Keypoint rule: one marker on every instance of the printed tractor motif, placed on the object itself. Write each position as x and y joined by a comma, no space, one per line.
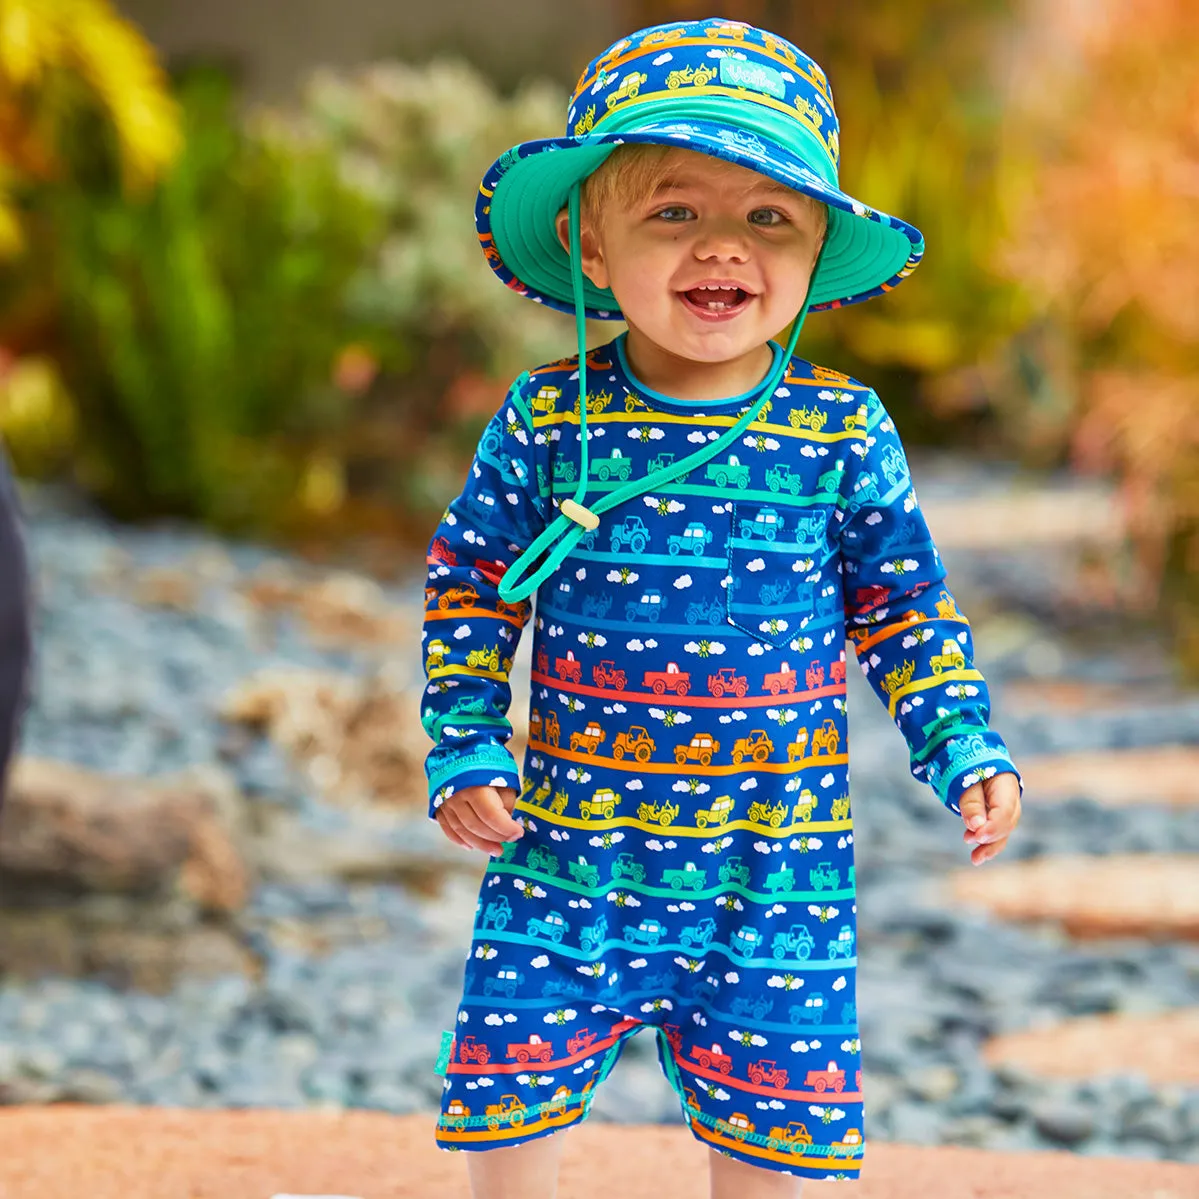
464,596
717,812
589,739
627,866
552,925
635,741
505,981
745,940
796,942
583,872
814,675
648,607
484,659
706,611
436,651
497,914
757,746
811,1011
628,89
797,748
824,874
725,679
804,806
713,1058
790,1137
509,1106
655,813
782,879
765,523
648,932
616,464
602,803
700,749
688,877
775,591
757,1006
821,1080
631,532
724,473
692,540
827,736
763,1071
901,676
596,605
592,937
734,868
456,1114
780,477
472,1051
783,679
605,674
670,679
764,812
542,858
808,418
569,667
580,1041
843,945
532,1050
950,657
697,77
699,935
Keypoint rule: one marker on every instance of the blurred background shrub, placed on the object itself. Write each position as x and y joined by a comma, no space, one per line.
279,321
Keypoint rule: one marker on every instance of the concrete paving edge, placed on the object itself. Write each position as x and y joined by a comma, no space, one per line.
120,1152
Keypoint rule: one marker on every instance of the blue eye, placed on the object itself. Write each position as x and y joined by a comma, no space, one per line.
781,218
673,208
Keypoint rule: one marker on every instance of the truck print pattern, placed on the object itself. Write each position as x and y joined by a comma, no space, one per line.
687,865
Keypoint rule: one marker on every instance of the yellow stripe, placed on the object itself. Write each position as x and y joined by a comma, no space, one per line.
685,830
667,418
442,671
934,681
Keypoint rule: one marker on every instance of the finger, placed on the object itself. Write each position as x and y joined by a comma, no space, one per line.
443,819
479,834
489,809
507,797
973,806
984,853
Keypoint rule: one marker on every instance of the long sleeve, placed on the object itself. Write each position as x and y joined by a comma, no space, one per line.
470,635
912,642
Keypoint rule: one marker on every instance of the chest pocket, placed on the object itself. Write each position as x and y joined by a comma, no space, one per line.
773,549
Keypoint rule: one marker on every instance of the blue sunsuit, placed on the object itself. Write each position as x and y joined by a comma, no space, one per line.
688,861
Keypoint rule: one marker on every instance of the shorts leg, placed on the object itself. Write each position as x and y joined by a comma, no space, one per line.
511,1080
732,1100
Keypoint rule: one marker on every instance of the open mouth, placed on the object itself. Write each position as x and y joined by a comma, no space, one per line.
716,302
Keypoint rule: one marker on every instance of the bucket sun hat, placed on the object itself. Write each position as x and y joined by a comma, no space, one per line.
719,87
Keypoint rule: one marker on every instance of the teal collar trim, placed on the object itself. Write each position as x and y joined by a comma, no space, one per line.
776,353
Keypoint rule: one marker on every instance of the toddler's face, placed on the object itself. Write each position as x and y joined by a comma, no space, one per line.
711,222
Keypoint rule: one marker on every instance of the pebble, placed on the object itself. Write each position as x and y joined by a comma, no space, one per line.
121,688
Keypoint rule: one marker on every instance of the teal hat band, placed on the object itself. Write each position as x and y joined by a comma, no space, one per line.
562,534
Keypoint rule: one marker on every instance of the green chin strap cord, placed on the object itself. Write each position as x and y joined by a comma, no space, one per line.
574,519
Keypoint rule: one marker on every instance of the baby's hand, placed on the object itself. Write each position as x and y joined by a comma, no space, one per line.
480,818
991,810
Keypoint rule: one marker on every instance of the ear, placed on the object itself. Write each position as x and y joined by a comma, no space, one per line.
591,252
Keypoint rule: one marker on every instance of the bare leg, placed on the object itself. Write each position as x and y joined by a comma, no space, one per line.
731,1178
525,1171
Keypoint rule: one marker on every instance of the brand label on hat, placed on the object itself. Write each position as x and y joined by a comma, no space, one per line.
754,76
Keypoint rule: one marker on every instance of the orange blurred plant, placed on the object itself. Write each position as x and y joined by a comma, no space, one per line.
1102,142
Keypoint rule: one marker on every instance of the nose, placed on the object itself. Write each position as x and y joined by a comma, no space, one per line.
721,237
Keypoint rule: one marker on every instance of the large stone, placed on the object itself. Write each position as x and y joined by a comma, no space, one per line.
360,740
1132,895
1167,774
70,830
1162,1047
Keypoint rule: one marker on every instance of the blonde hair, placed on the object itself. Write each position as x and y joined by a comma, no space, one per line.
630,175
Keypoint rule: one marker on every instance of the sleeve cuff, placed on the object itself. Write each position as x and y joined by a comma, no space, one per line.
494,769
965,760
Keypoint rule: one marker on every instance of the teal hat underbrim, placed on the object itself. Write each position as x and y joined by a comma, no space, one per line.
867,252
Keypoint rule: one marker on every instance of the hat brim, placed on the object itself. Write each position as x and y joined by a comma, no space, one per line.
867,252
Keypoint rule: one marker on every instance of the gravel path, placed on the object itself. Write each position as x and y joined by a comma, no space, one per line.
127,689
